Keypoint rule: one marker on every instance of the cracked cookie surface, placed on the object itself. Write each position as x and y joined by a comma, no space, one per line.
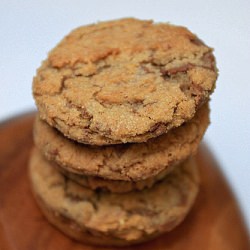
124,81
114,219
98,183
129,162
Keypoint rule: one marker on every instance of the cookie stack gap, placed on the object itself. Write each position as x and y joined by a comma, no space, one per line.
122,108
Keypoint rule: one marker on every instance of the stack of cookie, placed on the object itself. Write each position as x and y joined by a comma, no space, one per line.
123,106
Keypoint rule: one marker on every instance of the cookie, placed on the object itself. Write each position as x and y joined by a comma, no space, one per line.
105,218
97,183
128,162
124,81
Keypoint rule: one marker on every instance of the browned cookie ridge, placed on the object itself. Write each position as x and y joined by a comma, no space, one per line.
98,183
114,219
129,162
124,81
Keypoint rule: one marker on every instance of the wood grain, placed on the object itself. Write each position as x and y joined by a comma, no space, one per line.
214,223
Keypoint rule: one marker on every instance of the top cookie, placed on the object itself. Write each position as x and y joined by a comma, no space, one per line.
124,81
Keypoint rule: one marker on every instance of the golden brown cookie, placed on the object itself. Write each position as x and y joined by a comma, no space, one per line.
114,219
97,183
129,162
124,81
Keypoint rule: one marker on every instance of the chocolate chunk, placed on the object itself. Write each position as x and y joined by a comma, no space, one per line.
209,61
197,41
84,113
175,70
158,128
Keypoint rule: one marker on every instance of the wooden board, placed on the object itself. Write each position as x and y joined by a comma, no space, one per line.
214,222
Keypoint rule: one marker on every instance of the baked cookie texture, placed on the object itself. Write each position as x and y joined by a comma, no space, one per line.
128,162
98,183
115,219
124,81
114,186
